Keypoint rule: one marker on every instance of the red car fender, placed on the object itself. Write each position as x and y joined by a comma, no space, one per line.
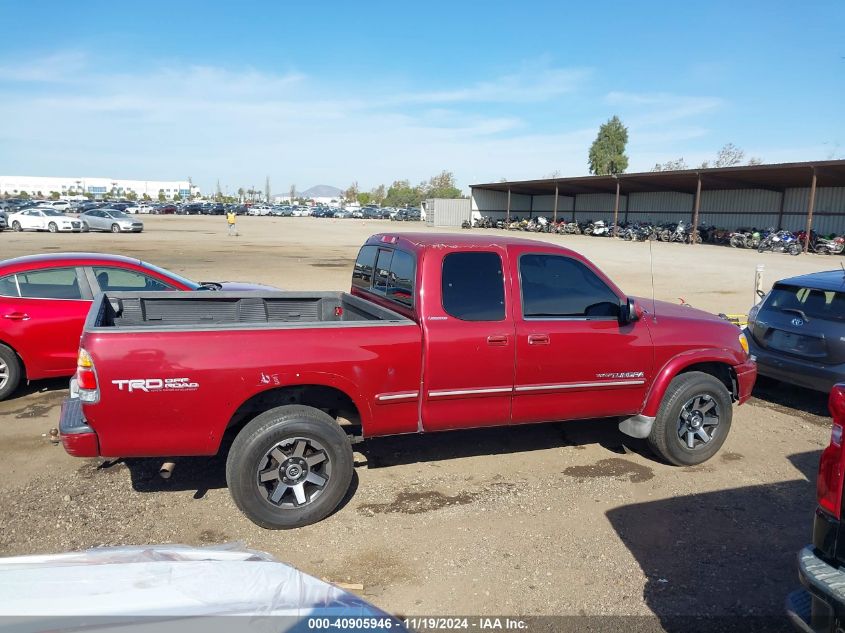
676,365
320,379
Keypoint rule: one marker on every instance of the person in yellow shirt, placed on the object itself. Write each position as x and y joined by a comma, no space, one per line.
230,220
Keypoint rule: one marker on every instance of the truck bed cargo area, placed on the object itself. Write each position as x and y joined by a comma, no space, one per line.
196,309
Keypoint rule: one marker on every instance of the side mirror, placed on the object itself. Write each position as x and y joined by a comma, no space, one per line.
761,294
630,311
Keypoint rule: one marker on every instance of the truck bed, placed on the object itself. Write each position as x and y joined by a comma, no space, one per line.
214,310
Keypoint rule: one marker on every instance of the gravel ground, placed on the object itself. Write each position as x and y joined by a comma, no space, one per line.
557,519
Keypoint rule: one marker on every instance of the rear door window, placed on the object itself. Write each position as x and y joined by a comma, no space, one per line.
473,287
53,283
8,286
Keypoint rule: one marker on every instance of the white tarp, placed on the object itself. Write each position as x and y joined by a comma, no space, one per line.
105,585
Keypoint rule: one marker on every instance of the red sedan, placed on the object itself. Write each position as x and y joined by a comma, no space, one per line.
44,300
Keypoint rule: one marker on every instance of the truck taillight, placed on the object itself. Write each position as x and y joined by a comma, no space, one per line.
86,377
829,483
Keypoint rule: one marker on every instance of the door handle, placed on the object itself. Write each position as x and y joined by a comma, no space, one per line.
499,340
538,339
16,316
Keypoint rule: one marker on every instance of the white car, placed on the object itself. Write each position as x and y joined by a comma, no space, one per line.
58,205
140,208
260,209
44,219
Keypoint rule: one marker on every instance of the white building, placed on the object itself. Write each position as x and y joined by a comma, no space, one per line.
98,187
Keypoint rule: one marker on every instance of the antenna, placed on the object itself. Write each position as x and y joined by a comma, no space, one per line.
651,265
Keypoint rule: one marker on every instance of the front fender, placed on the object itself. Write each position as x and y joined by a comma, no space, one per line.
676,365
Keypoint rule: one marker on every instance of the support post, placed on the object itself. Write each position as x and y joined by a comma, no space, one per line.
509,206
554,216
780,211
811,203
695,208
616,210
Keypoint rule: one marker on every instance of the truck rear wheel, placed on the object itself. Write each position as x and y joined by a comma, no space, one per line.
693,421
289,467
10,372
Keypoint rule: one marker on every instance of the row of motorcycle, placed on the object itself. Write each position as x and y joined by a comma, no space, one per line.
771,239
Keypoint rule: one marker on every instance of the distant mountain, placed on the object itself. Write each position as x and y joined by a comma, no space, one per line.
321,191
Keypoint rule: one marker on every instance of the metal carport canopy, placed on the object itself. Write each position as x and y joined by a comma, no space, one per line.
829,173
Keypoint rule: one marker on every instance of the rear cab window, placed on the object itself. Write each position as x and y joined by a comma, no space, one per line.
387,272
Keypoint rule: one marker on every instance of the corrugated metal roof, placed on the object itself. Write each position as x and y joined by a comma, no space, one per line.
830,173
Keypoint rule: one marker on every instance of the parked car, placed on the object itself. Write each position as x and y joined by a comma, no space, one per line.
165,209
342,213
44,300
59,205
3,224
439,332
820,604
260,209
797,332
110,220
44,219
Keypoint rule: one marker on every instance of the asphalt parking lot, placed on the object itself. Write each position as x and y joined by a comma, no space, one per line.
559,519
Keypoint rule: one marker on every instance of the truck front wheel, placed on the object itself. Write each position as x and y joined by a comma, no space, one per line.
693,421
289,467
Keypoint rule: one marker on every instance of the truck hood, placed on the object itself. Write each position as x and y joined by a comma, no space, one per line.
675,310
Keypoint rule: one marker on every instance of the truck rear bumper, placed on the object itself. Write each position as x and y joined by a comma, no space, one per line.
817,607
746,376
78,439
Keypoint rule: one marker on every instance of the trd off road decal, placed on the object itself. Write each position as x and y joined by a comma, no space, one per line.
148,385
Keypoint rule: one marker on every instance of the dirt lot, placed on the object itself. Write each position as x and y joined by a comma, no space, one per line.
554,519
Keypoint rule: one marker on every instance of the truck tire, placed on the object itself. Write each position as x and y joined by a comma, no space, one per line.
11,371
289,467
693,421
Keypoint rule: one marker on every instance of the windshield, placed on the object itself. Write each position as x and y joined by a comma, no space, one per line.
810,303
171,275
118,214
53,212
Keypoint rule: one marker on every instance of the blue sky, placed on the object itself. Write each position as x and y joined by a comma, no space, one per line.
335,92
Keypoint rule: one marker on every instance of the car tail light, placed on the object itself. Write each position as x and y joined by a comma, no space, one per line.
829,483
86,377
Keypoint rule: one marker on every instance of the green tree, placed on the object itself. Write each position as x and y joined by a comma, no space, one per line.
441,186
607,153
401,194
146,197
23,195
161,196
351,193
177,197
240,194
363,198
54,195
131,196
378,194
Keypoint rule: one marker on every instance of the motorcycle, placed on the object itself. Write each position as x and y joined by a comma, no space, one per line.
780,242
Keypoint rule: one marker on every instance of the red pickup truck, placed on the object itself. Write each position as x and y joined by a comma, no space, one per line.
439,332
